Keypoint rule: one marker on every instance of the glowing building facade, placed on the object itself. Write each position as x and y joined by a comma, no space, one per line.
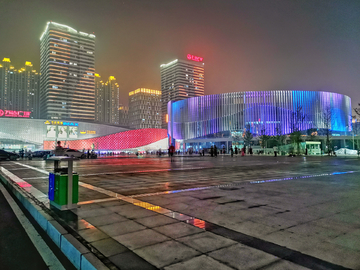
264,111
145,108
181,79
19,88
23,133
106,100
67,66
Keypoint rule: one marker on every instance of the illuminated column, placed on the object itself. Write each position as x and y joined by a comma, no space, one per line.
67,67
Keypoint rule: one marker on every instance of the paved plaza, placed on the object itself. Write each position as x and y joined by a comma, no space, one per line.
252,212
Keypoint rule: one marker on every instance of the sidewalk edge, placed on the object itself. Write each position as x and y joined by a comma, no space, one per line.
76,252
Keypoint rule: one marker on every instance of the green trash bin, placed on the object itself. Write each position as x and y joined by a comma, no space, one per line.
61,189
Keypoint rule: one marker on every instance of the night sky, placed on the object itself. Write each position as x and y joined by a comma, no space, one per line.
251,45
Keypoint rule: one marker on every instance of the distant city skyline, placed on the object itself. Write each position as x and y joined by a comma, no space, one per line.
247,45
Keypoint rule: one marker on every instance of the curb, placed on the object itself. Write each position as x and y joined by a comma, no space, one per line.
81,257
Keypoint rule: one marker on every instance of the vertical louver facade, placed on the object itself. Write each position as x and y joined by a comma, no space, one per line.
262,111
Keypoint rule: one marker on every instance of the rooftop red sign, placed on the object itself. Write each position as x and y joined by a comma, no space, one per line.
9,113
194,58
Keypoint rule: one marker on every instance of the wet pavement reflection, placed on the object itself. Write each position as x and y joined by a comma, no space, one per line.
167,188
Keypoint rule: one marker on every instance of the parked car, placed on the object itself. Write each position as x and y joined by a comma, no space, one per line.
41,153
74,153
4,155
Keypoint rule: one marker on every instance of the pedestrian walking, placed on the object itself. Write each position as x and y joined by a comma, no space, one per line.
236,151
212,151
21,152
275,151
215,151
243,151
171,152
59,150
250,150
232,152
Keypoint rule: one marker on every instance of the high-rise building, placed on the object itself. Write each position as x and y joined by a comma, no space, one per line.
123,116
99,98
145,108
19,88
67,67
181,79
106,100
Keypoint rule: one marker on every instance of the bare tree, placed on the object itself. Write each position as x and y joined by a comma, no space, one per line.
279,137
357,110
356,132
247,135
264,138
327,117
297,119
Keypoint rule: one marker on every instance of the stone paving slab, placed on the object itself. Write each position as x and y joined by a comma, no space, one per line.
166,253
237,256
200,262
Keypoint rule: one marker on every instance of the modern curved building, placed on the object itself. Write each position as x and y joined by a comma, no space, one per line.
18,132
218,115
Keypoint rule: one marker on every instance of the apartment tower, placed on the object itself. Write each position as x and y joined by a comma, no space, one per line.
106,100
123,115
181,79
67,67
145,108
19,88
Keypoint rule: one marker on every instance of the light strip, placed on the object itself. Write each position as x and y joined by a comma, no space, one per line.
172,62
57,24
47,26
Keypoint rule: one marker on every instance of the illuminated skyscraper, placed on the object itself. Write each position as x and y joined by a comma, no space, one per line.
123,116
145,108
106,100
99,98
67,66
19,88
181,79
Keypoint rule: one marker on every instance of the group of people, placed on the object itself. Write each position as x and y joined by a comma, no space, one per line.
236,151
25,153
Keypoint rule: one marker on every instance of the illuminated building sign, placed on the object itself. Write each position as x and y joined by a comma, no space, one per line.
17,114
61,123
194,58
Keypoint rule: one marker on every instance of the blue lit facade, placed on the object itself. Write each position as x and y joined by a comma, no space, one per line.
269,111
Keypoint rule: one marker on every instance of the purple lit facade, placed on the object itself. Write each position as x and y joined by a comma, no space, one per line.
201,117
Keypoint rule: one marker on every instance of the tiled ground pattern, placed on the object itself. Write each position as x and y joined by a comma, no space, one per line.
319,216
